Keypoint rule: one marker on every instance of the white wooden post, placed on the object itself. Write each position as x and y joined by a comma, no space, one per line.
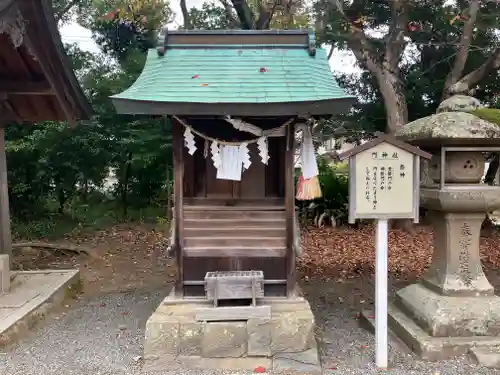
381,336
384,177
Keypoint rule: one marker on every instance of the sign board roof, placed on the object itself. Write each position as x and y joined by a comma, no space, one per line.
381,137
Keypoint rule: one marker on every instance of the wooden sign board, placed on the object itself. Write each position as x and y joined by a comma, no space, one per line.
384,178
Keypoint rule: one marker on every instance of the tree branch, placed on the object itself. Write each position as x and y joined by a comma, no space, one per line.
60,13
330,54
395,43
185,16
463,52
359,44
472,79
245,14
233,22
265,16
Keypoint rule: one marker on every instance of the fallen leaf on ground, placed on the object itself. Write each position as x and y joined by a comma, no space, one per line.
349,252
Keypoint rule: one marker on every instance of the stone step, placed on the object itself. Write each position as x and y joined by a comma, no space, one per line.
486,356
235,251
234,222
234,231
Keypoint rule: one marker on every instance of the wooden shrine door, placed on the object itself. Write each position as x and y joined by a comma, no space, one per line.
257,182
252,184
218,188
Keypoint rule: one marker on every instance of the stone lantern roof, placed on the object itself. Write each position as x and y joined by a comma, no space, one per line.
453,124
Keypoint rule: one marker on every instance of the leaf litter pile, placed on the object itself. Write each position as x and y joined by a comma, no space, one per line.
333,253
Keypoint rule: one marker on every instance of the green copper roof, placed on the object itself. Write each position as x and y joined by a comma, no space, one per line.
215,75
207,72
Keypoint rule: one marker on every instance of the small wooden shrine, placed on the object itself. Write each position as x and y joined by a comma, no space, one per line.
235,99
37,82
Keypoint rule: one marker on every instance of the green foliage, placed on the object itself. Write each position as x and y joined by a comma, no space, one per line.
433,34
333,205
211,17
59,176
488,114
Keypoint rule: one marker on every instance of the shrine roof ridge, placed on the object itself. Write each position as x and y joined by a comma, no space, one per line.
381,137
288,39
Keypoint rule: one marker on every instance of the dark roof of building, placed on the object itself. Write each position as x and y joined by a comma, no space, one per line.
36,78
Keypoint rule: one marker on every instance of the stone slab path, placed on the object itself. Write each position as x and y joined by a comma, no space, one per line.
32,294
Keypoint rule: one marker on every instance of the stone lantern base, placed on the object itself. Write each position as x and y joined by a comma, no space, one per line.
463,319
453,310
437,327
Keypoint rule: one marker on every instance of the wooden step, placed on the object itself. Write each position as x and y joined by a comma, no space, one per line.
267,242
234,222
235,251
246,202
234,208
233,214
234,231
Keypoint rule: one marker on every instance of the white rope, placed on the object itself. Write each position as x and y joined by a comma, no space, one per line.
265,133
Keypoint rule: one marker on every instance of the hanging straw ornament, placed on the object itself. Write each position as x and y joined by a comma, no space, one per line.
308,187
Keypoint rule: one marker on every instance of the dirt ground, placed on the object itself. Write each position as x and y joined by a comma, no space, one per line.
337,263
122,258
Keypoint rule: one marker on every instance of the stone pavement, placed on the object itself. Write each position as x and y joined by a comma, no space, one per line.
32,294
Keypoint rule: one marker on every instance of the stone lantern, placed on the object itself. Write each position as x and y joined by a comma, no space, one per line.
453,310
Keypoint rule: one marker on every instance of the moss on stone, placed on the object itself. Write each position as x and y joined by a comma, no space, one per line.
488,114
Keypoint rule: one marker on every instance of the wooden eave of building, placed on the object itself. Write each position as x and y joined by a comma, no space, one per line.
36,79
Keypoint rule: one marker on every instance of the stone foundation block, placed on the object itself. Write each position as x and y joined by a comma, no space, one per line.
4,273
190,337
224,339
175,339
487,357
292,331
259,337
444,316
162,338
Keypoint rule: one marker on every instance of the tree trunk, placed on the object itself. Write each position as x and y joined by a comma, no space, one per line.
125,183
61,198
394,100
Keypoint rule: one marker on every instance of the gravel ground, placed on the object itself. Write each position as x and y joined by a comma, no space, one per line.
103,336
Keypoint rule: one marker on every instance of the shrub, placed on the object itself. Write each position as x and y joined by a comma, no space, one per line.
332,207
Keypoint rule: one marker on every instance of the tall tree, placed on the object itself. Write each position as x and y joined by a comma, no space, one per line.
379,32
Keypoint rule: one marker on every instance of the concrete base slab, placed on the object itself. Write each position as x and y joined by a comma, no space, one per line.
424,345
174,337
31,296
487,357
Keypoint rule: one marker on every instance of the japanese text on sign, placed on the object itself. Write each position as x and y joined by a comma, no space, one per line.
386,173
